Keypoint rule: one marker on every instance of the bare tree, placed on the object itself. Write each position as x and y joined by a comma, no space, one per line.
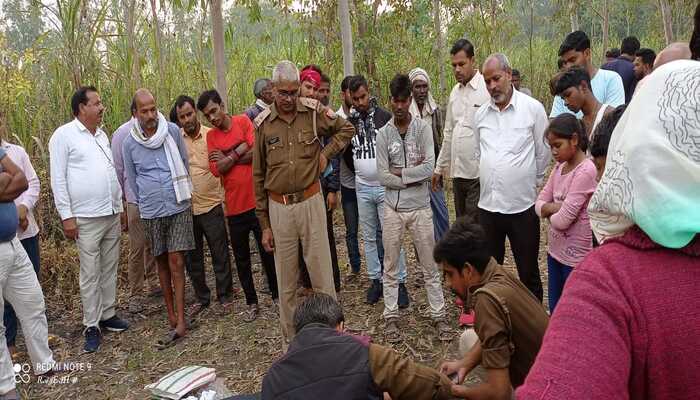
573,15
666,18
158,47
130,19
606,26
346,37
217,22
439,45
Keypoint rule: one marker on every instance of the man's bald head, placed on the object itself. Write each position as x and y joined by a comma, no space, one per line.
144,108
497,60
141,96
498,78
673,52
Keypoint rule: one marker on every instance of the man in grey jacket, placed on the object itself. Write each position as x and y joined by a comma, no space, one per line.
405,161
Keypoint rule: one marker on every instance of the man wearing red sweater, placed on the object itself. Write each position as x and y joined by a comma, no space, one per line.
229,143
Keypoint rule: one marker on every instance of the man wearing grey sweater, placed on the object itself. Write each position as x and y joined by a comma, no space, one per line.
405,161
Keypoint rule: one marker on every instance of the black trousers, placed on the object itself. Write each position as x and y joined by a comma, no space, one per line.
211,225
303,272
239,227
523,232
466,197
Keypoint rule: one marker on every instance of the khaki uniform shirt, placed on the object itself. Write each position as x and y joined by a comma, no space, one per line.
400,375
510,332
207,191
286,154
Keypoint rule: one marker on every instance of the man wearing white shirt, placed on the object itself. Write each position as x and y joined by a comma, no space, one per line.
513,157
89,201
458,151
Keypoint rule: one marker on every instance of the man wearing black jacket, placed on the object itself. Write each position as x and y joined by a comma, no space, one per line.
361,158
325,363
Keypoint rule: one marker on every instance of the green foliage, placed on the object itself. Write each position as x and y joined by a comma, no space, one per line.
43,60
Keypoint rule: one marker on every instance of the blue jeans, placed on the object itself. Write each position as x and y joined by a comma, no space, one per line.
558,274
31,246
441,218
348,198
370,204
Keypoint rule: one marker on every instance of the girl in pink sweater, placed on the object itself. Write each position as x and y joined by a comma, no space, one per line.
628,325
564,200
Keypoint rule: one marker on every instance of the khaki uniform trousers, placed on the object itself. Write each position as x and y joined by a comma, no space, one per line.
291,223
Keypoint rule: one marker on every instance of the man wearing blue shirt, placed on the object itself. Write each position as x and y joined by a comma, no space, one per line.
624,65
606,85
155,163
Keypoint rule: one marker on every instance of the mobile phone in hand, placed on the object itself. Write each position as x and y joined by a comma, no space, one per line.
453,377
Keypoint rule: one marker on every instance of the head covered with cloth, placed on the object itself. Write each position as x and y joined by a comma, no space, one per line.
652,173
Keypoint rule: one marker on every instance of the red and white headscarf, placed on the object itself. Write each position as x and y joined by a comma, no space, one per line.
311,76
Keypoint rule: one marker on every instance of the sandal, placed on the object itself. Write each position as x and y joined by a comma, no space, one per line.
444,331
196,308
169,340
251,314
392,332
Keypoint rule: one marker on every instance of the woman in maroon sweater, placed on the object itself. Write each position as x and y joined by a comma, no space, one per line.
628,325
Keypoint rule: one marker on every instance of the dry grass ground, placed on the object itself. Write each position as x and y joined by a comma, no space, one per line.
240,352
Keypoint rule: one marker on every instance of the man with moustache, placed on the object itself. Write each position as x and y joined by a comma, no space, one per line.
288,160
89,201
156,166
510,321
424,106
316,85
513,158
207,212
459,147
348,196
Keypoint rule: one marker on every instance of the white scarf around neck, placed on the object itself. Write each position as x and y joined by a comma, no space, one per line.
181,178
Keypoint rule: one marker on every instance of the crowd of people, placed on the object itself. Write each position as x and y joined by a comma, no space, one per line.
625,179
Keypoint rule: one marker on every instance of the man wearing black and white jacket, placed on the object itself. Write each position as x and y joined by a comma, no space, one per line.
405,161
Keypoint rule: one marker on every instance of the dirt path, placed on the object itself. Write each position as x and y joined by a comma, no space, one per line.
240,352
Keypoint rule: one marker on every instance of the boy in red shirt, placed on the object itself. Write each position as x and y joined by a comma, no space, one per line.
229,143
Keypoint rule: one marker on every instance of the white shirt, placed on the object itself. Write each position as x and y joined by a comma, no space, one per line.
29,197
83,177
513,154
459,147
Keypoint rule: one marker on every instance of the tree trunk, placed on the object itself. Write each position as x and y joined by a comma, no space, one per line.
217,22
573,15
130,11
606,22
365,31
346,37
439,46
666,17
158,48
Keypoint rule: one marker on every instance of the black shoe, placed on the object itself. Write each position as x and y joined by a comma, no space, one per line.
114,324
92,339
374,293
404,300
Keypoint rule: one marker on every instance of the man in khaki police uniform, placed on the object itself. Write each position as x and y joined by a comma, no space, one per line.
287,162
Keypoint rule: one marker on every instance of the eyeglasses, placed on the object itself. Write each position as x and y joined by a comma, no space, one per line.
289,95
